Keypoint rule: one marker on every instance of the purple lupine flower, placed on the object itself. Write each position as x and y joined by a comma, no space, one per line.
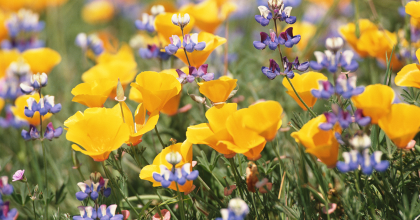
32,107
5,187
86,213
326,60
6,213
351,161
36,82
237,210
11,121
191,43
147,23
377,163
95,44
187,173
360,119
48,105
265,40
344,119
32,134
183,78
110,213
347,87
202,72
150,52
325,91
84,192
285,15
272,71
300,66
103,186
51,133
265,17
175,44
288,39
331,121
288,70
165,177
347,61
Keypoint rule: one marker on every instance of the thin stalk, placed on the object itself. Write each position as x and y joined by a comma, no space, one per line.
294,90
211,192
232,167
185,51
112,185
46,195
122,112
119,189
33,203
160,139
181,202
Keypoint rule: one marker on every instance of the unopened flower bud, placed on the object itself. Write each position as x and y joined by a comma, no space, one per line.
334,44
120,93
360,141
157,9
173,158
197,98
232,93
179,20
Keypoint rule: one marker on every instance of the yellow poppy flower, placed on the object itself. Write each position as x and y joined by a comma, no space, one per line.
185,149
99,11
41,60
42,4
401,124
98,131
409,75
19,108
6,58
198,58
156,89
123,54
140,125
14,5
112,70
165,28
372,41
171,107
317,142
304,84
3,29
375,101
413,8
93,94
218,90
245,131
209,14
328,3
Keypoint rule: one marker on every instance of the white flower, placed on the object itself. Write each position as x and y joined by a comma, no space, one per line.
334,44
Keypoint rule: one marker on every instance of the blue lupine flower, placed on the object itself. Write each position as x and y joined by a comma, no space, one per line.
48,105
178,175
11,121
86,213
147,23
91,41
152,51
300,66
344,119
183,78
325,91
347,87
272,44
285,16
32,107
103,183
330,61
105,213
347,61
288,39
37,81
32,134
6,213
201,72
351,161
265,17
265,40
51,133
295,65
85,191
331,121
5,187
360,119
288,70
191,43
272,71
237,210
175,44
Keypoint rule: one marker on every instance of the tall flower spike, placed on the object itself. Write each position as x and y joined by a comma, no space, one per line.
181,20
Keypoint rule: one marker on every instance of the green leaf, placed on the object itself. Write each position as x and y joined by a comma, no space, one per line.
17,198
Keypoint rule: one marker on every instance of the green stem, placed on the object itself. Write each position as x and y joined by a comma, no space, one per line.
33,203
210,191
294,90
181,202
119,189
160,139
238,183
185,51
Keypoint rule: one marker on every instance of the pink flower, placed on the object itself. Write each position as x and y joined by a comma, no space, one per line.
19,176
331,208
125,214
166,215
410,145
